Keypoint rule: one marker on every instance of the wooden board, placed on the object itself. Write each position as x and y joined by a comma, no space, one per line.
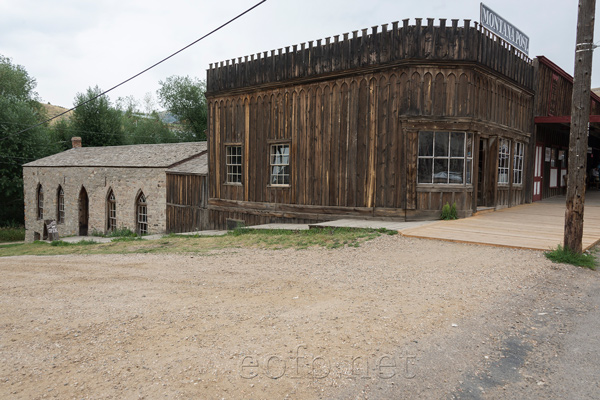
537,226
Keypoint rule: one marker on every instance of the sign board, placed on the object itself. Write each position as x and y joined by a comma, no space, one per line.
501,27
51,230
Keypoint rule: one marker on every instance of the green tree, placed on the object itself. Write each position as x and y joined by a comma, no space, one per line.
185,98
146,129
97,122
19,109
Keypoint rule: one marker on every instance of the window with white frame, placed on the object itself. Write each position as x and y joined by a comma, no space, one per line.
142,215
233,160
518,164
279,162
40,202
111,212
503,161
60,205
445,157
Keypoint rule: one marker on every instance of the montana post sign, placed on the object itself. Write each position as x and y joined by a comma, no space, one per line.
501,27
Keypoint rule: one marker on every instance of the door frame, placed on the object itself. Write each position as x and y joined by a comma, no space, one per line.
538,166
482,171
84,212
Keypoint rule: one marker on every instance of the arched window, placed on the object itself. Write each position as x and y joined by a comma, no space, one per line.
111,212
40,202
141,214
60,205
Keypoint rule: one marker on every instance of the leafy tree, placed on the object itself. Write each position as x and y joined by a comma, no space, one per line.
19,109
61,134
97,122
142,128
185,97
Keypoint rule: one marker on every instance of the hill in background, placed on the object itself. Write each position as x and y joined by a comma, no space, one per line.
53,111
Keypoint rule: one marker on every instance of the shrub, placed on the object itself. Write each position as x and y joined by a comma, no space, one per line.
566,256
12,234
449,212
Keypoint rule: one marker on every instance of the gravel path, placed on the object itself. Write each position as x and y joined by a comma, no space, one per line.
395,318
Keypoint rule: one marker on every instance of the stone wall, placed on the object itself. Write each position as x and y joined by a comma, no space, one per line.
126,184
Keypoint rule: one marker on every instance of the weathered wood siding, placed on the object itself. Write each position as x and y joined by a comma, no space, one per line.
349,145
554,91
471,43
351,111
186,203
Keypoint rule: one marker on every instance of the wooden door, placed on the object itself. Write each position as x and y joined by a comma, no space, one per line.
482,173
538,172
83,212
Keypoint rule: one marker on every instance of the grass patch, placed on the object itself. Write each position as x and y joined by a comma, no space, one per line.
330,238
62,243
12,234
566,256
119,232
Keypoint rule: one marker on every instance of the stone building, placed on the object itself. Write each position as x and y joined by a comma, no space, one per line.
99,189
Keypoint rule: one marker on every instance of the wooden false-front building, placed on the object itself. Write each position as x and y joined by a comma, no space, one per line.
549,149
391,123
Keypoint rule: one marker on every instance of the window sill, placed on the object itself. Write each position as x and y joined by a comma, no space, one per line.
455,185
278,186
233,184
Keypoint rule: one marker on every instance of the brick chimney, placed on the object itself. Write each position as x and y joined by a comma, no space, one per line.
76,142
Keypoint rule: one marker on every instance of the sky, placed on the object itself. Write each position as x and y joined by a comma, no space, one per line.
71,45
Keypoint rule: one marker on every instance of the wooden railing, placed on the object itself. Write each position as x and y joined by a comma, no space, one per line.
381,47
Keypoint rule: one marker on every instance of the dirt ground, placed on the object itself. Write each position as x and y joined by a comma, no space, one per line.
394,318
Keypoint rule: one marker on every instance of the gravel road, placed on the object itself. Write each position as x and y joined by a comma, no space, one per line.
395,318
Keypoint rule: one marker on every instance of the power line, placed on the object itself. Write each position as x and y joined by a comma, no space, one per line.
71,130
139,73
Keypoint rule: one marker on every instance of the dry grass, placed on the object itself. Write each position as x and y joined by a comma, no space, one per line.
243,238
53,111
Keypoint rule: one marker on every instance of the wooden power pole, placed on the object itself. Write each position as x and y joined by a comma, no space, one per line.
580,114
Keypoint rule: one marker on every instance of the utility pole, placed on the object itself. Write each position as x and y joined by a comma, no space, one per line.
580,114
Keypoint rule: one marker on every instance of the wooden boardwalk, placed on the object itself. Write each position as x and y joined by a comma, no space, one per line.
537,226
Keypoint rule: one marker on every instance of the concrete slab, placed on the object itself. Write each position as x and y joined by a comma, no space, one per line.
371,224
97,239
196,233
287,227
347,223
203,233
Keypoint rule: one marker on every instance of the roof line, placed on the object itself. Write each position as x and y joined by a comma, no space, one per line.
544,60
94,166
188,159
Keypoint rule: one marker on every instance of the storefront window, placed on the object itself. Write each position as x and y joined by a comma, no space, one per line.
503,161
445,157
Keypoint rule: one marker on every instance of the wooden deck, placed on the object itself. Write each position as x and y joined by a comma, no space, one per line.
537,226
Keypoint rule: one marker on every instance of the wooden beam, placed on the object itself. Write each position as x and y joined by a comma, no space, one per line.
565,119
580,111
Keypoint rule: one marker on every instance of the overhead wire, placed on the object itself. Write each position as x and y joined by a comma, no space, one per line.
139,73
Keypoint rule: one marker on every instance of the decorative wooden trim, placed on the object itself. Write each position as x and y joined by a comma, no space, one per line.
277,141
